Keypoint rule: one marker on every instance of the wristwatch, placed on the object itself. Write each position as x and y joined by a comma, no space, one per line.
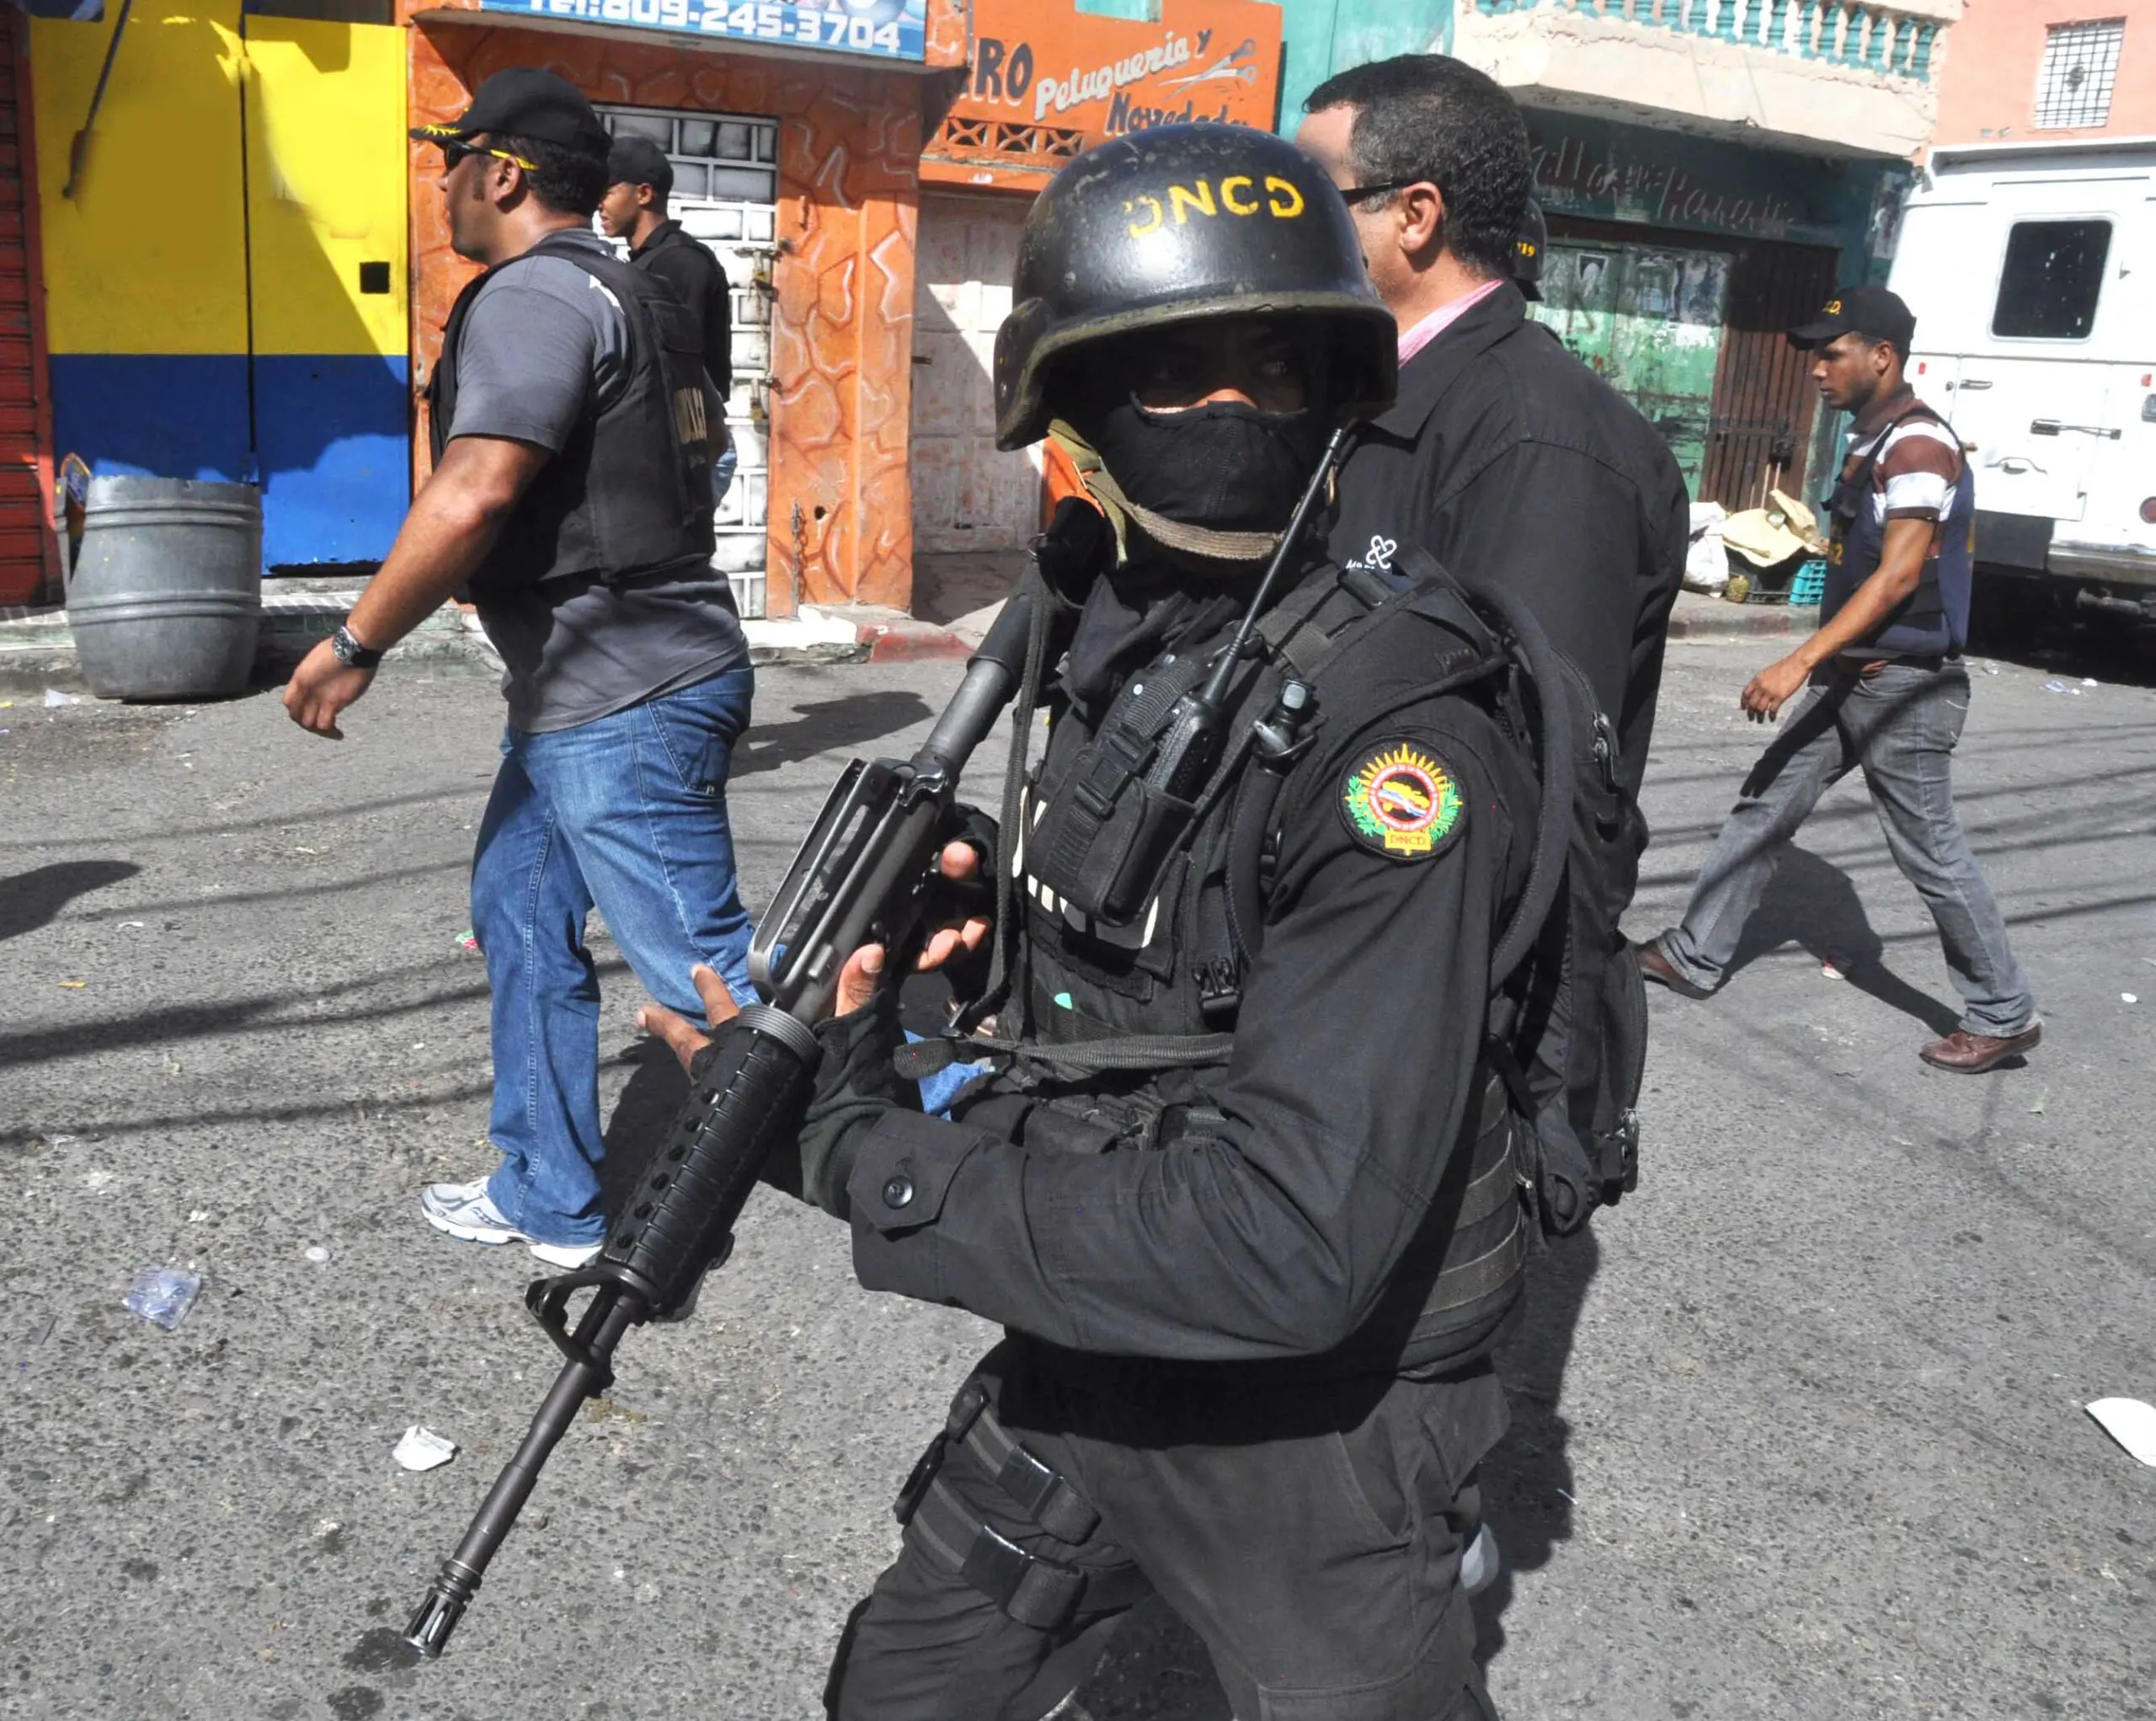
349,652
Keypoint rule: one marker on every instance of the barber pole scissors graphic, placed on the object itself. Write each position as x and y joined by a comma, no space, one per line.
1241,65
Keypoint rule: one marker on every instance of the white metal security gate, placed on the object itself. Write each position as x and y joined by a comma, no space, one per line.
726,194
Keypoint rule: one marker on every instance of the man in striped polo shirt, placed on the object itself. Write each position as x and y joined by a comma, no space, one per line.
1887,692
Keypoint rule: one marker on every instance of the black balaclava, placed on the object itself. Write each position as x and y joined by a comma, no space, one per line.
1227,467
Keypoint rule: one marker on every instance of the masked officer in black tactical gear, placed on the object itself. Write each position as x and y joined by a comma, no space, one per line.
1240,1191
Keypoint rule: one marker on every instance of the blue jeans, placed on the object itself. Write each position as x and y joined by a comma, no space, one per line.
627,813
722,472
1898,727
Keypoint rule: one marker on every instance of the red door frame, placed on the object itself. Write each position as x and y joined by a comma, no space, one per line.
18,27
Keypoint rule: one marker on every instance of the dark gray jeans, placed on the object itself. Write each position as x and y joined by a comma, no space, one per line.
1899,727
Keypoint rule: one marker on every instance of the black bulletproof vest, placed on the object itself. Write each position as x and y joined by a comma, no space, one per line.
1173,969
1933,619
630,493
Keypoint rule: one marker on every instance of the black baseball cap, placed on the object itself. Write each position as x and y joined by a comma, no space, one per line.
525,102
1869,310
638,161
1529,244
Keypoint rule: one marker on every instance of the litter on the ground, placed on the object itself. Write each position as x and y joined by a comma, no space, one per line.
198,1215
53,696
1991,669
163,1294
2043,1100
2129,998
2054,687
423,1449
2088,681
130,926
1830,971
317,1253
469,940
2130,1423
71,985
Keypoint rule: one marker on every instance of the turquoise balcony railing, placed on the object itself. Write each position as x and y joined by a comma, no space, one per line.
1868,38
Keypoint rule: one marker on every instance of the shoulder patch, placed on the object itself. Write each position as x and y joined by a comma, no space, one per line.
1400,800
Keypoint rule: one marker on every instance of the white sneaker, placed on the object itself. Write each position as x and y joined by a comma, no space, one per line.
465,1210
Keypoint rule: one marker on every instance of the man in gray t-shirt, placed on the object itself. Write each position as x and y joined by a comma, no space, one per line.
571,495
539,344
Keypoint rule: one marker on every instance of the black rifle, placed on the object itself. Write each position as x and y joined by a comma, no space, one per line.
861,877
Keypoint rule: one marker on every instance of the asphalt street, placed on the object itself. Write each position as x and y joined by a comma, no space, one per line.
1798,1432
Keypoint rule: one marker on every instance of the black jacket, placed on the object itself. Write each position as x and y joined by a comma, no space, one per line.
1509,460
1296,1226
700,283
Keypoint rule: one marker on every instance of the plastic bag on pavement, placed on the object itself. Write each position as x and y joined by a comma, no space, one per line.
1706,567
423,1449
163,1294
2130,1423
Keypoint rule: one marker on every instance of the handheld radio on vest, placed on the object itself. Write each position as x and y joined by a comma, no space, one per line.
1190,746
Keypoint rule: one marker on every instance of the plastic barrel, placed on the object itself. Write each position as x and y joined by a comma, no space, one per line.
166,594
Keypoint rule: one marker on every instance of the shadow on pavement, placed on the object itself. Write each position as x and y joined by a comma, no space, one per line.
1527,1482
31,900
642,1116
1811,902
829,725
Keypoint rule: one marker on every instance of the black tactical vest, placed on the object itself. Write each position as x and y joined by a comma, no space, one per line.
1933,619
630,493
1173,969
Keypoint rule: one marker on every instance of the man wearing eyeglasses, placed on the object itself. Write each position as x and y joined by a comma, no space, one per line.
572,424
1504,456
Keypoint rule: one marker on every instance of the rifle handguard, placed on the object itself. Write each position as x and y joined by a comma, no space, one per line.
749,1088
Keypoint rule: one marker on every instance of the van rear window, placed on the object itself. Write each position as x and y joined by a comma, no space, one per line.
2054,275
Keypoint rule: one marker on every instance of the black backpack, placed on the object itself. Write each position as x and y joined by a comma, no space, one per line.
1568,1021
1568,1025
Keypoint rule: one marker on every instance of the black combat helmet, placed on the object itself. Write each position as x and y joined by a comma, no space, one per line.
1534,239
1181,222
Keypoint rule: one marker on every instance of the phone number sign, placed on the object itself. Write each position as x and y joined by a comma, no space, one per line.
889,29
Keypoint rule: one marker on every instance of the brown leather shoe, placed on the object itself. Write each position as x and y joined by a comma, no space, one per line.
1659,969
1972,1054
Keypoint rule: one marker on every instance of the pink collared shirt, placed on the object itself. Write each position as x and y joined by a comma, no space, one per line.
1439,320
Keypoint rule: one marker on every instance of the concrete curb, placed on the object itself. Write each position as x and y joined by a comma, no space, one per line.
1697,616
37,648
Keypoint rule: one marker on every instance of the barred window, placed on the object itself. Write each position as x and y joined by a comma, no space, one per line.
2081,63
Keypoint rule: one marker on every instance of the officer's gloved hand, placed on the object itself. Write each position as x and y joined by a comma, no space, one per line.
962,899
957,918
856,1082
855,1085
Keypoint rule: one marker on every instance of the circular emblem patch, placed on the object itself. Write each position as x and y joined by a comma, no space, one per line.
1401,801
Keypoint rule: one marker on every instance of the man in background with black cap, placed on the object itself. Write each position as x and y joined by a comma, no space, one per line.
639,180
571,499
1887,692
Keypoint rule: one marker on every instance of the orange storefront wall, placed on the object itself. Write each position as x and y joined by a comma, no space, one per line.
850,138
1988,88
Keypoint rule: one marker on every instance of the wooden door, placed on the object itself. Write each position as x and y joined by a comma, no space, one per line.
1764,403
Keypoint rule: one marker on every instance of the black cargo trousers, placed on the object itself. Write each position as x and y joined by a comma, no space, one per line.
1311,1533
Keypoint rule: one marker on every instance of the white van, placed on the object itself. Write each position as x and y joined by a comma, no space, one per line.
2031,269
